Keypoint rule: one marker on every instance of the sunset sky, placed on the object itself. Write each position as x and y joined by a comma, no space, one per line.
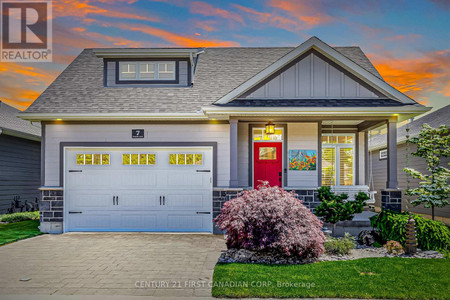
408,41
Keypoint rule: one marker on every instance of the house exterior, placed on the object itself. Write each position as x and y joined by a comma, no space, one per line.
378,160
158,139
20,158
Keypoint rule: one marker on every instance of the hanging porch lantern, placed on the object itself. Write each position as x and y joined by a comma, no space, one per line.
270,128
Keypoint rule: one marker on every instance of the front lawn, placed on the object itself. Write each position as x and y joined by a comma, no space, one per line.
18,231
400,278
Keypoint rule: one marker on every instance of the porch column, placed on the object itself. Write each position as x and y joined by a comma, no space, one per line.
392,182
234,153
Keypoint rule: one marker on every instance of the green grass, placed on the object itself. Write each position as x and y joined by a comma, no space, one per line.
18,231
399,278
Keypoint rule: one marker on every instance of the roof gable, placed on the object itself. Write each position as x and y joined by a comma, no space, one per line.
370,79
312,76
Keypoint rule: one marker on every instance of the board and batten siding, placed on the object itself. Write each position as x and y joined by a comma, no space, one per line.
380,174
312,77
57,133
20,165
302,136
111,76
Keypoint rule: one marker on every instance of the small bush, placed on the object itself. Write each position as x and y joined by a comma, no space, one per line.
334,208
20,216
339,246
394,247
431,235
271,219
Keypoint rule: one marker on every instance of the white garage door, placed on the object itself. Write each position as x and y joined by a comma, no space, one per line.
138,189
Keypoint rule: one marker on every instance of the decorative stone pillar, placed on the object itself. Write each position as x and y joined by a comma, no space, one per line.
51,210
411,240
391,199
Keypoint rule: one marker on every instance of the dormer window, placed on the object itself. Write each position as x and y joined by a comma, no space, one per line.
147,72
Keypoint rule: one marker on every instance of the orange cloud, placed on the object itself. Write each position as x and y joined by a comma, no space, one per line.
206,25
417,75
265,17
309,13
207,9
83,8
176,39
406,37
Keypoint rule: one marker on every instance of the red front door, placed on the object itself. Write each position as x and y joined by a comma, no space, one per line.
267,160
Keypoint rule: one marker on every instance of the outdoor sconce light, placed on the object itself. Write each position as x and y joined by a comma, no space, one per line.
270,128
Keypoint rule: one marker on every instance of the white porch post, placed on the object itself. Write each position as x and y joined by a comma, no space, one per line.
234,153
392,182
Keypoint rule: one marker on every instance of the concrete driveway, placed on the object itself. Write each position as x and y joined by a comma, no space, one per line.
141,264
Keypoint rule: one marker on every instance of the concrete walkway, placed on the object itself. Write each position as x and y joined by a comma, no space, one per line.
138,264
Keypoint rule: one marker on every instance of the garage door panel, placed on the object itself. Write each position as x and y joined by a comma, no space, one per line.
189,180
89,180
91,221
90,200
138,200
138,221
137,178
183,221
186,201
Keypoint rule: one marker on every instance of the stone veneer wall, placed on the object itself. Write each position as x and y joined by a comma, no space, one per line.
391,200
220,196
51,211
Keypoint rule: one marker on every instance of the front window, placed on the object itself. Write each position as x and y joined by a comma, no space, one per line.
338,156
147,70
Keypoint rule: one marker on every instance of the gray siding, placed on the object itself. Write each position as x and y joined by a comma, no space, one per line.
20,164
379,174
111,76
312,77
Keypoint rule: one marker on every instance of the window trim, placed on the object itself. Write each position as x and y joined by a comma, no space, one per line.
153,81
338,146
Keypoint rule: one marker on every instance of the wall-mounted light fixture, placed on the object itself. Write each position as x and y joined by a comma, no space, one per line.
270,128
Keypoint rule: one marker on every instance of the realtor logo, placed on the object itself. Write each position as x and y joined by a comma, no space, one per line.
26,31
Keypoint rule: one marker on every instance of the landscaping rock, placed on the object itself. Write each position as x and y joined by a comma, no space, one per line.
366,237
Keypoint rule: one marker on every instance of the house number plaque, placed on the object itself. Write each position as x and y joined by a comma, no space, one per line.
137,133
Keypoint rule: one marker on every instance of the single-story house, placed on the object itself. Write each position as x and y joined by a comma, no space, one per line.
378,157
20,159
158,139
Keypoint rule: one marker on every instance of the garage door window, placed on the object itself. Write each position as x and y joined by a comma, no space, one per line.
138,159
92,159
185,159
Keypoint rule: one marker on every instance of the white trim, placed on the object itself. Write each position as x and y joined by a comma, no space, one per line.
155,52
329,52
111,116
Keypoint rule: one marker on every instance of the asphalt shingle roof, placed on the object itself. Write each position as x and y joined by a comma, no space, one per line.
80,89
10,121
434,119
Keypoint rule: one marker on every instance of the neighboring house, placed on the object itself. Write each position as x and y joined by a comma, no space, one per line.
20,158
377,144
158,139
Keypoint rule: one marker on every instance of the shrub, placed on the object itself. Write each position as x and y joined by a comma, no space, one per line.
394,247
431,235
339,246
334,208
271,219
19,216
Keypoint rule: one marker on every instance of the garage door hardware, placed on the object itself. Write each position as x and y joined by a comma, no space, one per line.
115,200
203,213
206,171
162,200
75,212
73,171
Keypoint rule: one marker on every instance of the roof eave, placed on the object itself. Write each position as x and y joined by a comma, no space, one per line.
19,134
111,116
